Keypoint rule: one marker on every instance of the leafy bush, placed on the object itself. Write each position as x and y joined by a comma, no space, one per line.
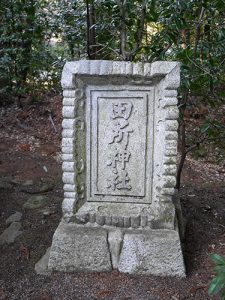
218,283
29,63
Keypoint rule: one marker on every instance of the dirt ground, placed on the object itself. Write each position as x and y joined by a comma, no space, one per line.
30,156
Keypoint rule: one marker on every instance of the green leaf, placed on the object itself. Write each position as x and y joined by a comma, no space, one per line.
217,259
220,269
205,127
216,285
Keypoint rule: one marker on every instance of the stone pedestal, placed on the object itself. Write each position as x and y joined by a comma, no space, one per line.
119,164
135,251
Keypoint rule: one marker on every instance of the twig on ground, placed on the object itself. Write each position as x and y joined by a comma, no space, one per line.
52,122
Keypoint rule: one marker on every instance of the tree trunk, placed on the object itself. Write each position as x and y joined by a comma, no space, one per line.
91,37
123,29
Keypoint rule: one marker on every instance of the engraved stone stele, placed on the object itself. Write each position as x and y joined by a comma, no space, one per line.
119,146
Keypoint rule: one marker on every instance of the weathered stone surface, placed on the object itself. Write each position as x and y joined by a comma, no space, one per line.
144,252
116,129
41,267
155,252
115,239
36,202
79,248
122,122
116,214
119,147
16,217
11,233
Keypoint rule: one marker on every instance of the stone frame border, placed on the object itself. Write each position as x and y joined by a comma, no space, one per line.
167,75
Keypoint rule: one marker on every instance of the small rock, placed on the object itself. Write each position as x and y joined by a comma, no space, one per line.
16,217
191,195
38,188
48,212
46,187
207,207
4,185
36,202
11,233
28,182
41,267
10,179
14,181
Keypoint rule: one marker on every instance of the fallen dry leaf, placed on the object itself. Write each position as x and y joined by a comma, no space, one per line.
103,293
24,147
24,251
44,296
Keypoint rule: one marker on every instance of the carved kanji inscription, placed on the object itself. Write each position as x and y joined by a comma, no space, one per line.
120,125
119,133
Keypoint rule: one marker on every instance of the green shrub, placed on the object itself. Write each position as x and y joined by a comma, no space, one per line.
218,283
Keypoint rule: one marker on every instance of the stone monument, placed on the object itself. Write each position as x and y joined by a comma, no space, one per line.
119,146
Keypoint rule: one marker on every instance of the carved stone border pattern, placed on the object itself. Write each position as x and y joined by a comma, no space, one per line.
73,148
167,75
68,123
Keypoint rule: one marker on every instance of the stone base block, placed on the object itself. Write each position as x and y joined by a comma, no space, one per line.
93,248
79,248
157,252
